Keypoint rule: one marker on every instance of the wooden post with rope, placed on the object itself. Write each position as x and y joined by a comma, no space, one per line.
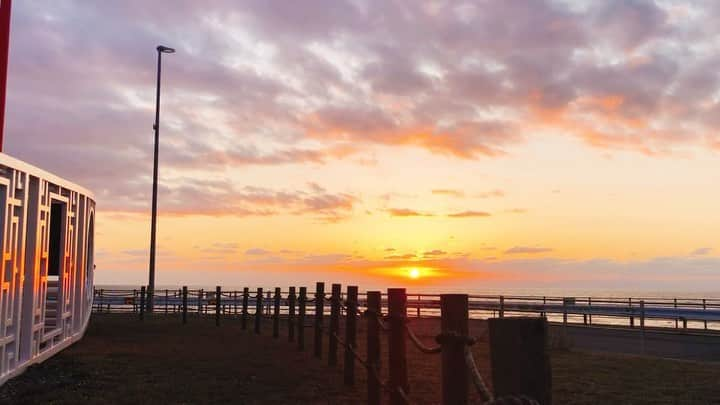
350,334
258,310
244,314
184,304
301,318
319,308
291,314
276,313
373,346
142,303
397,355
334,324
218,304
454,339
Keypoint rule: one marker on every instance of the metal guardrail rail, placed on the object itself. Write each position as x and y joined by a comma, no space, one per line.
667,313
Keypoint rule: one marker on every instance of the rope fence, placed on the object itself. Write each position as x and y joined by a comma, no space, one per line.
459,368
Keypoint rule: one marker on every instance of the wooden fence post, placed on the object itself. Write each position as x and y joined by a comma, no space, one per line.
235,300
418,306
184,304
291,314
142,302
704,309
676,317
276,314
590,309
519,360
199,301
454,340
166,300
218,303
244,314
642,314
642,323
268,303
319,308
258,310
135,300
630,311
501,312
350,334
397,314
373,347
301,318
334,324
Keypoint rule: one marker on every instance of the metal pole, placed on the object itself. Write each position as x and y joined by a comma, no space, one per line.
156,127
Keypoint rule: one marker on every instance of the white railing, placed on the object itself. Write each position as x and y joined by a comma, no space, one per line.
46,270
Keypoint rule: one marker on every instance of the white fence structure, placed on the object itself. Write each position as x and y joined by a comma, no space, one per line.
46,272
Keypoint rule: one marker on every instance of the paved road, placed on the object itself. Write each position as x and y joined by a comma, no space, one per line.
673,344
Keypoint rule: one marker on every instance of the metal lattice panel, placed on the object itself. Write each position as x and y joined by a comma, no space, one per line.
42,309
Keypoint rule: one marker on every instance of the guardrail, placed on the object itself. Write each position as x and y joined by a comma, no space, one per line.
667,313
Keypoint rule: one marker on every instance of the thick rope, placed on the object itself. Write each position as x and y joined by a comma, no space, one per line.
420,345
513,400
383,326
477,379
403,395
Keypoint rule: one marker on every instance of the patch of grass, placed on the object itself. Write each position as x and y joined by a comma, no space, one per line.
124,361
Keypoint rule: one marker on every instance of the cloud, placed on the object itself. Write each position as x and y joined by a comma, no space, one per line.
434,252
190,196
257,252
469,214
221,248
527,250
490,194
406,212
449,192
271,84
701,251
406,256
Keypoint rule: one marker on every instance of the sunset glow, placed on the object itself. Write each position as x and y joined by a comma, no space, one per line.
414,273
376,143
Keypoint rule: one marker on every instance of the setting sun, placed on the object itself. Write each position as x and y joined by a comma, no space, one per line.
414,273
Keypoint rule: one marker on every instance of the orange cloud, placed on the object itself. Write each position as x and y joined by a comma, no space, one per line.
469,214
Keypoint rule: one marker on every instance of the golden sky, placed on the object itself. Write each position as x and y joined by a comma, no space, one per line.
526,144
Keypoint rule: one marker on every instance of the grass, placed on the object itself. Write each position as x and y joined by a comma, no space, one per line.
124,361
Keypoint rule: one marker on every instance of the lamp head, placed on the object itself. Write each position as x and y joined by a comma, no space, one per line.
165,49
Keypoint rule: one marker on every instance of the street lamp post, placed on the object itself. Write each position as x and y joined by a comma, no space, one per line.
151,282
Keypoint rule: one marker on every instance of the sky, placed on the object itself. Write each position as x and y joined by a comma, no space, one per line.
521,144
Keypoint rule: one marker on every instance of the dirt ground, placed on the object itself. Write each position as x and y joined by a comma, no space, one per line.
124,361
